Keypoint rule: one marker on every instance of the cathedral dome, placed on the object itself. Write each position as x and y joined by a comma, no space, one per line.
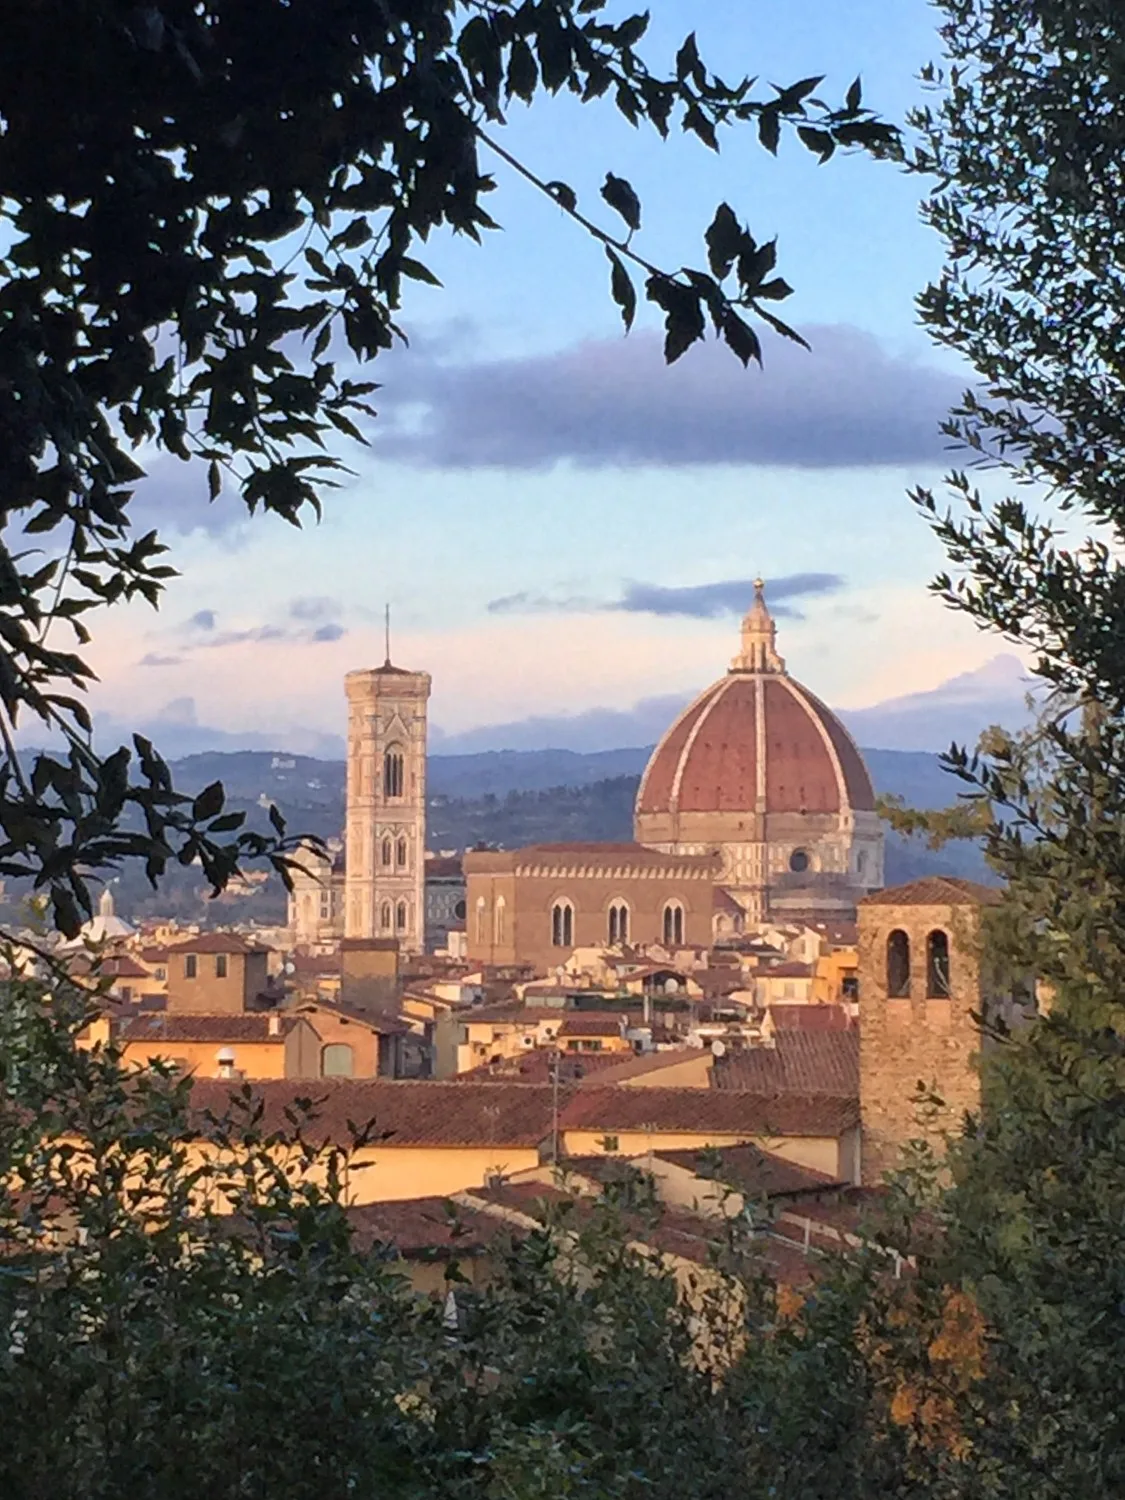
755,742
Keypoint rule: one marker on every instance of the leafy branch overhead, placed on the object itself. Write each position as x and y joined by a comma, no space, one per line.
204,202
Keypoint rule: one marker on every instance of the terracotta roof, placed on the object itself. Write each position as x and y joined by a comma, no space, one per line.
154,955
121,966
842,934
426,1228
724,901
752,1171
621,1069
408,1112
638,855
163,1027
380,1022
516,1015
218,942
787,971
591,1023
810,1018
800,1062
441,866
707,762
535,1066
936,890
707,1112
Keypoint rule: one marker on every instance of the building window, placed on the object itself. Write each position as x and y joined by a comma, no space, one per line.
400,854
562,925
385,917
220,966
393,777
799,861
609,1143
673,924
400,917
325,907
482,920
191,966
861,862
337,1060
619,922
459,911
937,965
500,922
898,965
386,851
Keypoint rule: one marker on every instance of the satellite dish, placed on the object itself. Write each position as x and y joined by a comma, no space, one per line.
718,1048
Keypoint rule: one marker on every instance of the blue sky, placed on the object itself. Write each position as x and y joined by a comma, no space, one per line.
556,521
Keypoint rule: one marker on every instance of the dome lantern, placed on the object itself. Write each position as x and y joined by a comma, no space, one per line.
759,637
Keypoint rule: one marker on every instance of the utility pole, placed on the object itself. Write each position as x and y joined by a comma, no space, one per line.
555,1067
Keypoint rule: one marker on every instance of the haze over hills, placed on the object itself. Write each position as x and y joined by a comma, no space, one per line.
958,709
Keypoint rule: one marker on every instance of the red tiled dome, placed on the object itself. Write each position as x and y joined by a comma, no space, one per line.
709,759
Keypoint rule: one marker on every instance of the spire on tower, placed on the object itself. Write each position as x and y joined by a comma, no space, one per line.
387,627
759,637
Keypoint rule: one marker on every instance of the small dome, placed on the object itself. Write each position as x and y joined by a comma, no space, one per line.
756,742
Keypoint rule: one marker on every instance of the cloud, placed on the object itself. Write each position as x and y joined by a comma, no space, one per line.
702,601
329,632
154,659
313,609
614,402
203,619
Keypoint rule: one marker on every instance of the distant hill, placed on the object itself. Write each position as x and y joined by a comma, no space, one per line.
505,797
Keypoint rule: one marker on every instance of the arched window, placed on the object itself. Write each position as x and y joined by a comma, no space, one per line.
898,965
937,965
393,778
400,854
500,921
385,917
482,920
673,924
562,925
400,917
619,922
337,1060
799,861
386,851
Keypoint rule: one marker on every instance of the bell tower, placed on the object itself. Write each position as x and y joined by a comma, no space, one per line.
384,891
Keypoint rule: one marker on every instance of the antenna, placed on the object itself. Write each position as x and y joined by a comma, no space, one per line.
387,617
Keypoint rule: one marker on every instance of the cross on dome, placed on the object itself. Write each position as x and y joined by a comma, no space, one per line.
759,637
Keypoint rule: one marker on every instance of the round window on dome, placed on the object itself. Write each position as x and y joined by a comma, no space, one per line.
799,861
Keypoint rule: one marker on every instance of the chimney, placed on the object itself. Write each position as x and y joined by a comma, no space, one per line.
274,1024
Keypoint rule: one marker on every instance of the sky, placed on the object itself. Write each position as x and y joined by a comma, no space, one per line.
558,522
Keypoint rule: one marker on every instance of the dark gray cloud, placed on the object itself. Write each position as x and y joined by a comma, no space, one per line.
613,402
329,632
154,659
701,601
707,601
203,619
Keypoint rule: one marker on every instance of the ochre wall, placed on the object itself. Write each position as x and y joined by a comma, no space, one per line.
381,1173
528,901
252,1059
907,1042
364,1042
822,1153
207,994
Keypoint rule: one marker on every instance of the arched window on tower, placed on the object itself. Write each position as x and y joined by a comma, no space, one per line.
673,928
562,925
500,922
400,917
482,920
618,922
898,965
400,854
385,916
937,965
393,772
386,851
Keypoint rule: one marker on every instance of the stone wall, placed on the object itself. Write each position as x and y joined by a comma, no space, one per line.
916,1039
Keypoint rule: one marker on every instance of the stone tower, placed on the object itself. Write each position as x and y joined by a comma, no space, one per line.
384,892
919,993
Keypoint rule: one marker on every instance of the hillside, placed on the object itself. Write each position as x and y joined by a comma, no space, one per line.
493,797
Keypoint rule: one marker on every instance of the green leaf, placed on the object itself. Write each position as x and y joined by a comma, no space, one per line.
209,803
622,289
214,480
854,97
741,338
564,194
724,240
769,128
523,71
619,194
